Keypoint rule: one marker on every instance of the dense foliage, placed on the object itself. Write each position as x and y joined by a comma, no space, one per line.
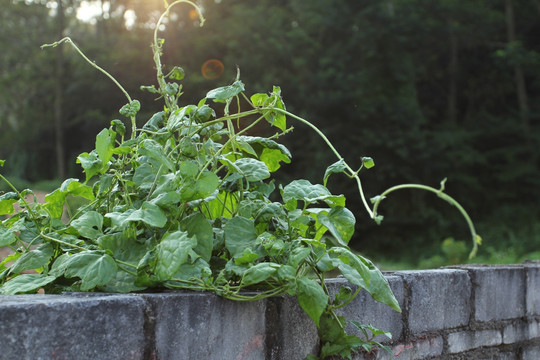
428,89
185,203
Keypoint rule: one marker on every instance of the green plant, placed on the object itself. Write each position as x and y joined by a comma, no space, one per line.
187,202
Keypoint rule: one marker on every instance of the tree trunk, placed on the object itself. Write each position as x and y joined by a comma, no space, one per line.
522,97
452,77
59,97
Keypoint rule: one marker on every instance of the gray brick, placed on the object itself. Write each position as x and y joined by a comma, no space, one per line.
365,310
440,299
418,349
36,327
532,271
499,292
468,340
291,334
496,355
515,332
534,329
531,353
423,348
204,326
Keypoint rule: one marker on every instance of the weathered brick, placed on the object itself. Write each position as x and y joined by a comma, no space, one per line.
422,348
532,271
515,332
499,292
468,340
189,325
291,334
495,355
439,299
531,353
36,327
533,329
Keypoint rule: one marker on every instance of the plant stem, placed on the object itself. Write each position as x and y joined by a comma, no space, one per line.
353,174
93,64
170,101
439,192
62,242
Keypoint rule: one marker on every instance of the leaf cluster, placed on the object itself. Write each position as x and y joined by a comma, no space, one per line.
187,201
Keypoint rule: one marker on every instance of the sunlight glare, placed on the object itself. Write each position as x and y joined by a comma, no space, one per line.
88,11
212,69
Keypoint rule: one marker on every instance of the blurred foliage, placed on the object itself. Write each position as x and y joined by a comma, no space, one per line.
426,88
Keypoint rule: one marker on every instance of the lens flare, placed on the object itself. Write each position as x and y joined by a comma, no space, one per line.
193,15
212,69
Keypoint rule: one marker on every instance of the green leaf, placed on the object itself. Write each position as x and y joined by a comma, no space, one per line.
6,203
245,147
335,168
262,143
340,222
374,331
93,267
273,157
131,109
176,118
125,248
25,283
309,193
196,225
201,188
203,114
360,271
368,162
276,118
89,224
91,163
226,92
144,176
302,190
34,259
259,99
172,88
240,233
155,122
167,199
74,188
7,237
258,273
188,169
172,252
177,73
150,214
55,201
122,282
248,256
311,298
198,270
223,205
119,126
153,150
105,146
252,169
298,254
343,295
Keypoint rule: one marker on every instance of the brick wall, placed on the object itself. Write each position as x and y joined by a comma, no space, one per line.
472,312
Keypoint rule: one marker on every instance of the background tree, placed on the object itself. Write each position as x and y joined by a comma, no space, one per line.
429,89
